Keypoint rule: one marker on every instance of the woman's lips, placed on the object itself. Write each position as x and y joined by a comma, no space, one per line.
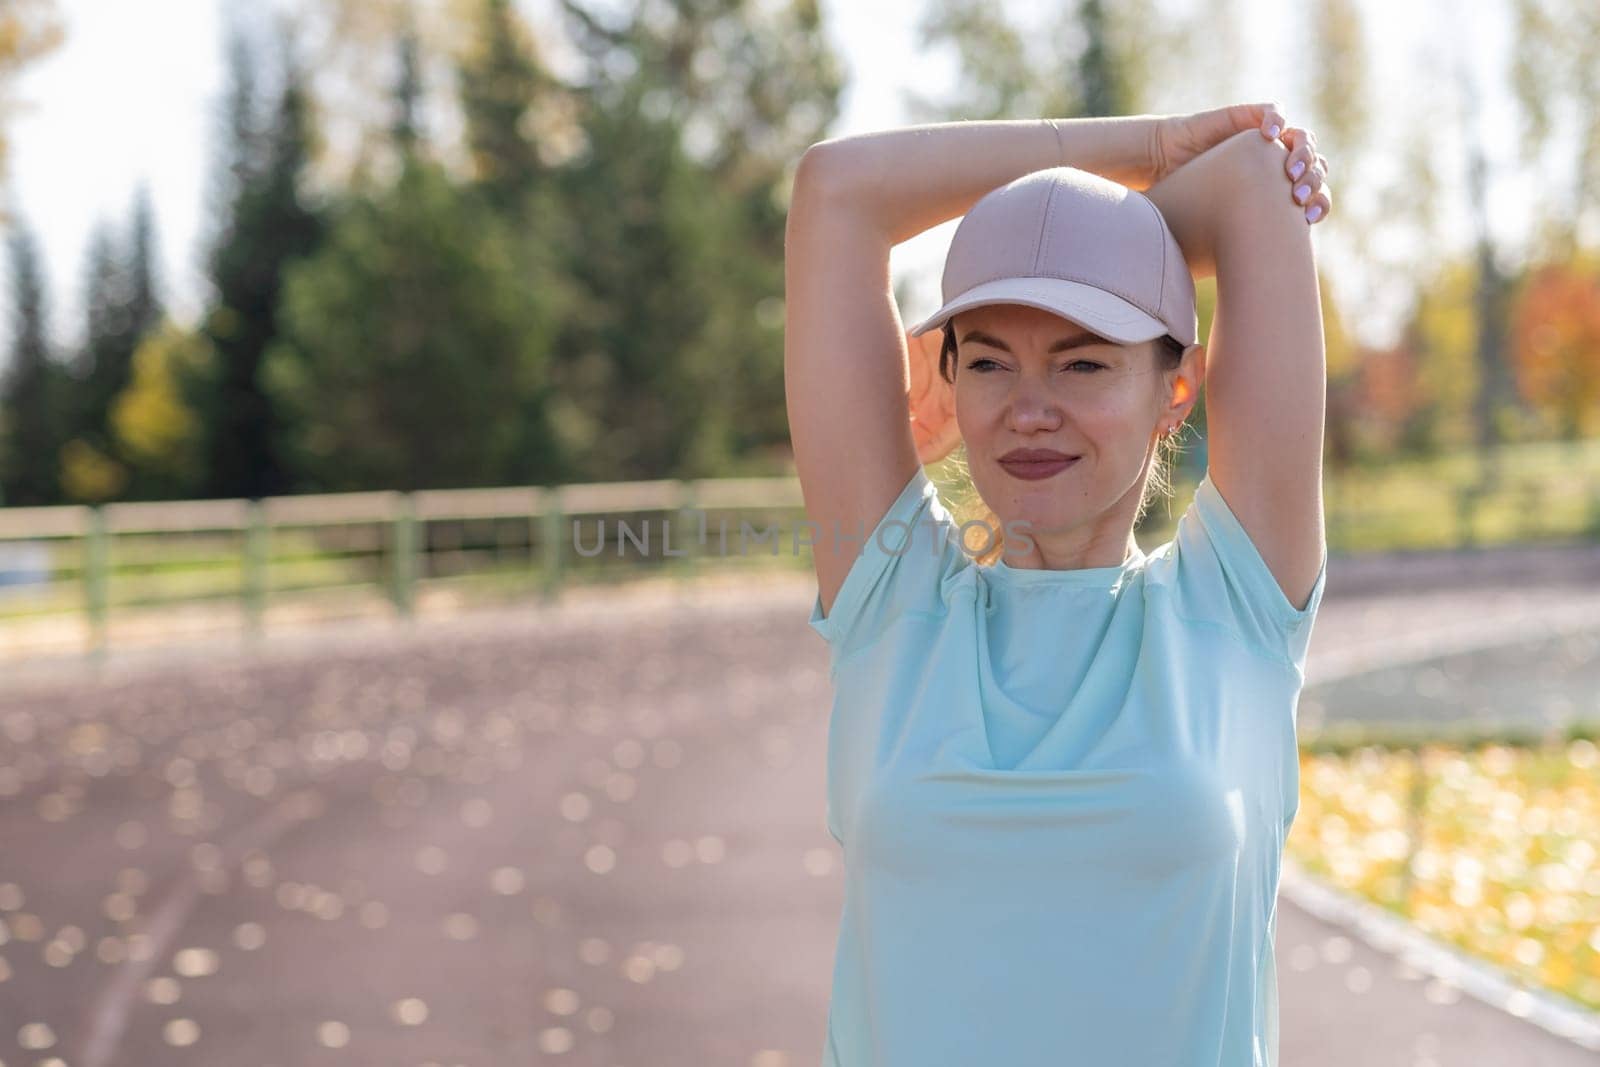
1033,470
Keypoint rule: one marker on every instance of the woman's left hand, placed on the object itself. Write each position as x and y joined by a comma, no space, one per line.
1180,138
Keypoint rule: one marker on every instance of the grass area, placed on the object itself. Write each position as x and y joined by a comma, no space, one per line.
1495,849
1545,491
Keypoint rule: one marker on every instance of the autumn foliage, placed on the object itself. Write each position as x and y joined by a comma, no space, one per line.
1554,345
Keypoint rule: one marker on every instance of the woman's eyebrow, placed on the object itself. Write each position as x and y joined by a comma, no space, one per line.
1062,345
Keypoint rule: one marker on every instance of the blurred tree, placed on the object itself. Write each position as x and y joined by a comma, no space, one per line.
520,124
1341,80
693,114
1386,402
144,303
500,82
1341,119
739,87
998,77
411,357
352,72
1443,332
1555,344
1492,290
34,390
1556,67
1211,44
122,309
29,30
643,393
155,422
264,225
406,130
100,371
409,353
1093,59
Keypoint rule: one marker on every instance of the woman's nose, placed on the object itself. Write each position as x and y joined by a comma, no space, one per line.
1032,406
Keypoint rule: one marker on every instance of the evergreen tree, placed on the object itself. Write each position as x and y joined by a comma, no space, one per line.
144,302
103,362
407,129
412,355
122,307
123,312
675,365
505,95
33,388
266,226
499,82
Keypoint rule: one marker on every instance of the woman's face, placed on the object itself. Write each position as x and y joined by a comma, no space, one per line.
1027,379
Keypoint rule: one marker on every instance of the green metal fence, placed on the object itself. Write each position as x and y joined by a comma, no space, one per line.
378,552
500,543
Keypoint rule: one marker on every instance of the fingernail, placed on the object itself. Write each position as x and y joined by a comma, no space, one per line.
1295,171
1272,131
1314,214
1302,192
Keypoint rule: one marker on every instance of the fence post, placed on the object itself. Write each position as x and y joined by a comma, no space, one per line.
254,593
689,541
552,542
405,554
95,581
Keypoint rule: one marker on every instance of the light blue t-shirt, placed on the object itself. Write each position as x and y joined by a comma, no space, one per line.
1062,798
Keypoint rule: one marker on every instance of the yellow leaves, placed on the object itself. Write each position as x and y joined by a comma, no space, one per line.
89,475
29,30
1503,857
149,417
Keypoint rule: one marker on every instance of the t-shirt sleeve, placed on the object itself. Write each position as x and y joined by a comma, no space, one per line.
899,569
1221,577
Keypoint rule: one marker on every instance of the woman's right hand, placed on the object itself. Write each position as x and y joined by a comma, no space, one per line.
932,400
1181,138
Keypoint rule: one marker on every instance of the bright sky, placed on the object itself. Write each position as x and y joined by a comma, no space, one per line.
130,97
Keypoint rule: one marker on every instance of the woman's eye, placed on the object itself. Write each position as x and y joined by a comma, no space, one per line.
985,364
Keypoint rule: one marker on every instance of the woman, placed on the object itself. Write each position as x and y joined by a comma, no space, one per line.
1061,770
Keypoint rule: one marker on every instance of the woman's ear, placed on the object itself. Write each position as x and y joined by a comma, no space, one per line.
1190,375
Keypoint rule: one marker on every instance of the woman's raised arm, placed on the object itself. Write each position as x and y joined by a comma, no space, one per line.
1232,211
913,178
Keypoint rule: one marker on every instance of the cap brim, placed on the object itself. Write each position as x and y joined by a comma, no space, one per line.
1094,309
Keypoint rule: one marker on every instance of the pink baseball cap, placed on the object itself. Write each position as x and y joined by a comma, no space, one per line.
1070,242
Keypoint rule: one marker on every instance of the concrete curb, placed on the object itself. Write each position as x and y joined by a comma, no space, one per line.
1388,933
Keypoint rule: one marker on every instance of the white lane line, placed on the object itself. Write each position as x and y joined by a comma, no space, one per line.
106,1018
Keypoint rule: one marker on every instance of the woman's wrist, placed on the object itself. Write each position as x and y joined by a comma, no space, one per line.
1121,148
